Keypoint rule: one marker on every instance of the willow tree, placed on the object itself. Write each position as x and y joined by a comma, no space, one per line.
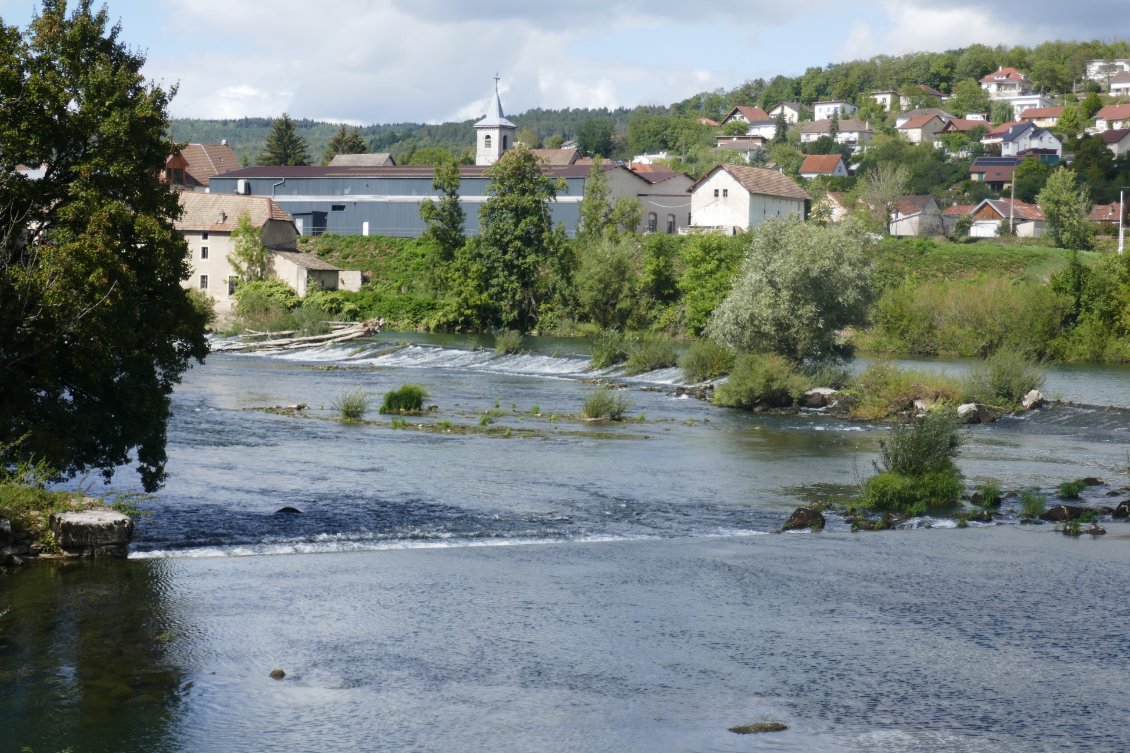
798,286
95,328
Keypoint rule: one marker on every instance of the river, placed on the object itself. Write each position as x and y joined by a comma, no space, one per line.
568,586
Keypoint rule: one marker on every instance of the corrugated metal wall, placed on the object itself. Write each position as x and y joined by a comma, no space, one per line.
391,206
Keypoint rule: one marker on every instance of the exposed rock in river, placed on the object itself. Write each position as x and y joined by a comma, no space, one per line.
972,413
752,729
92,533
1060,513
1034,399
804,517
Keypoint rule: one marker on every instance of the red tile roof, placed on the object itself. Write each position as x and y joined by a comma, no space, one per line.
708,122
918,122
1022,210
1106,213
1004,74
958,210
1113,112
906,205
965,124
220,212
1114,135
821,164
1041,112
206,160
760,181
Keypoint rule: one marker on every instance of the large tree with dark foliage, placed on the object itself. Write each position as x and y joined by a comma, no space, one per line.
95,328
284,146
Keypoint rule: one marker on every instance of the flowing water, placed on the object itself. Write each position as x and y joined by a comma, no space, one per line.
540,583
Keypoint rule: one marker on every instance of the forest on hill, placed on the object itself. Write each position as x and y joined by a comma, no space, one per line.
1056,68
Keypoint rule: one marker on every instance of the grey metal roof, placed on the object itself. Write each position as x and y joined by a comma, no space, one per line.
495,118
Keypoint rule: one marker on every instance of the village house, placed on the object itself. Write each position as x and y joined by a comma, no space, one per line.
815,165
1117,141
837,107
994,172
1027,219
1120,84
885,99
1103,70
794,112
1112,117
923,93
902,118
746,114
206,223
193,166
915,216
854,133
1030,138
663,194
1106,214
557,157
1005,83
747,146
921,130
736,198
953,213
1045,117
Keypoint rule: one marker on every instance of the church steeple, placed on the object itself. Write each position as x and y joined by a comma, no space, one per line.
494,134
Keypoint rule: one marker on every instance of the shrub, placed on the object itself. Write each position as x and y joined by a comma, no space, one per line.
605,403
409,398
769,380
1004,378
352,405
884,390
827,373
1032,504
309,319
990,494
649,354
1071,489
507,341
917,495
705,360
609,348
265,304
924,446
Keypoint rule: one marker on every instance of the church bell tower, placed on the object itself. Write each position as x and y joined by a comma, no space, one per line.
494,134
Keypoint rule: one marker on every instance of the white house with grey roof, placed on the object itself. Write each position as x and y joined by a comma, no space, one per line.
736,198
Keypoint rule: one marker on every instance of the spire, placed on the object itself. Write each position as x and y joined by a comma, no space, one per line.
494,117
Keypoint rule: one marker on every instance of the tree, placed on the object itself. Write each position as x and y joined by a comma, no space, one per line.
529,137
429,155
595,137
735,127
1069,125
881,186
834,126
500,272
968,97
249,258
554,141
1067,206
781,133
95,328
1001,112
607,283
1030,177
1090,105
594,205
346,140
799,285
284,146
445,218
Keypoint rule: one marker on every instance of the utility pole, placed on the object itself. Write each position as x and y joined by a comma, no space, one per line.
1012,207
1121,220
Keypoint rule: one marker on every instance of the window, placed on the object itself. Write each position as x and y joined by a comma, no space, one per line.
203,252
505,145
670,223
337,207
203,282
486,141
652,222
204,236
231,284
725,192
716,193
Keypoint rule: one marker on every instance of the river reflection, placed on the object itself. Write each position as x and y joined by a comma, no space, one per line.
85,656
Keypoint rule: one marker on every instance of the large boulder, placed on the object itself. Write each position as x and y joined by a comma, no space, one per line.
1034,399
804,517
1061,513
818,397
974,413
1123,509
92,533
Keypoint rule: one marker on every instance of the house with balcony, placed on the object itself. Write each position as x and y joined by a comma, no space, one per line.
837,107
1006,82
854,133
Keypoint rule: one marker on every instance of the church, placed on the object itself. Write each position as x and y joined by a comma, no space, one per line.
385,199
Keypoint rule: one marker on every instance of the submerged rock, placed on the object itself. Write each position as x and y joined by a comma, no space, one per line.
92,533
288,510
1034,399
752,729
1091,481
1123,509
804,517
277,674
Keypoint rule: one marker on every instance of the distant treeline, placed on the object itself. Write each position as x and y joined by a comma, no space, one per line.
1055,68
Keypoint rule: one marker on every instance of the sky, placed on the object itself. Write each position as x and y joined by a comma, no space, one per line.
387,61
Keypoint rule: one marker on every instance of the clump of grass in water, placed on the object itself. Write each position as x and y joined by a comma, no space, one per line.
649,354
507,342
605,403
352,406
1071,489
409,398
608,349
1004,379
705,360
1032,504
917,474
990,494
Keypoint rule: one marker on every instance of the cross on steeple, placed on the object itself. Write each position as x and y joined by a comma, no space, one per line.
497,78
